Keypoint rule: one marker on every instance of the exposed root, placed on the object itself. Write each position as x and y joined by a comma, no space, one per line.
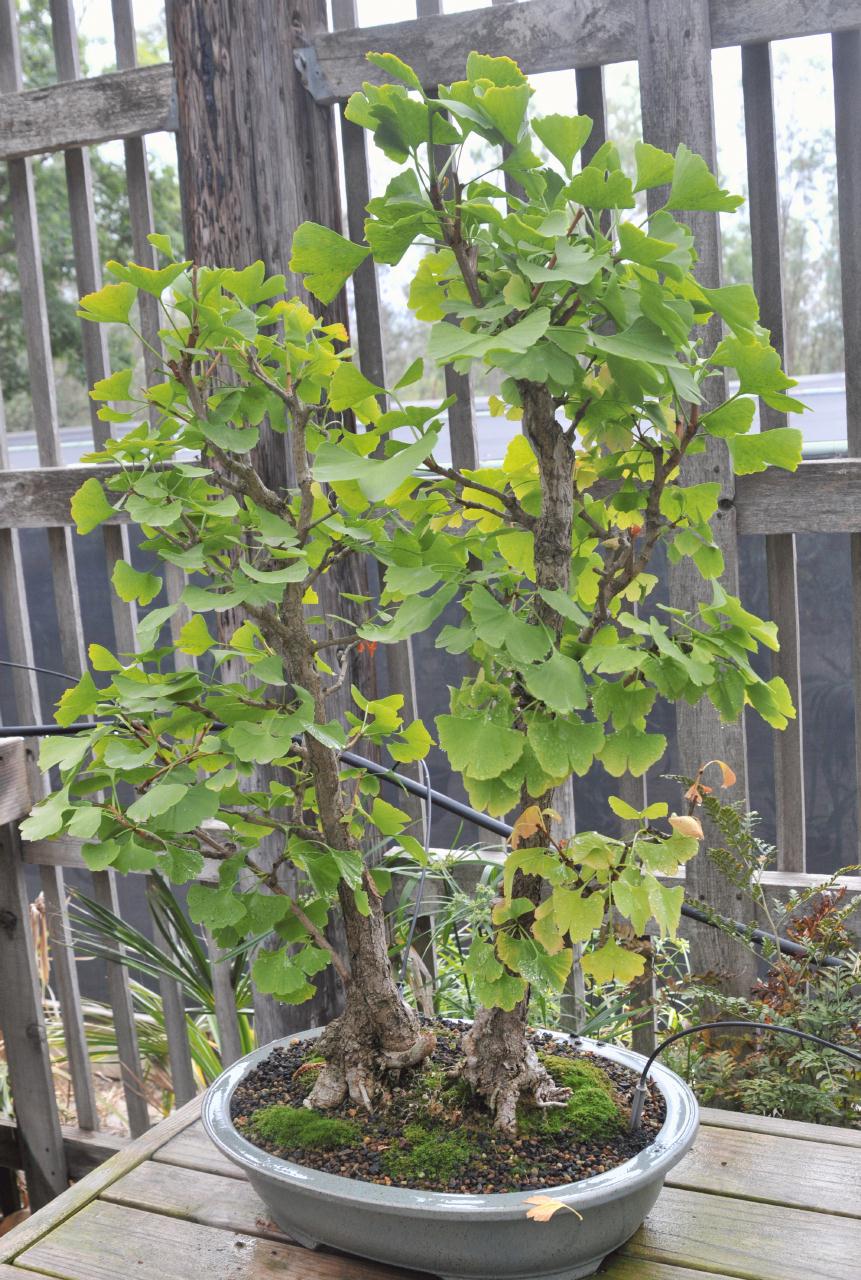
359,1057
501,1067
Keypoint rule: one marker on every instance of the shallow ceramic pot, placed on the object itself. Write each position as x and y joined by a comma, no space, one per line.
461,1237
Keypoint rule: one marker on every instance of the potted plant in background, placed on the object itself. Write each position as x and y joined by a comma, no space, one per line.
589,314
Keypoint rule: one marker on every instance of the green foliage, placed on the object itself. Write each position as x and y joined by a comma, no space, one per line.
590,320
426,1154
300,1129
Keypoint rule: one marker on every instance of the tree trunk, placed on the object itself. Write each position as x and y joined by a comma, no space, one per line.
499,1063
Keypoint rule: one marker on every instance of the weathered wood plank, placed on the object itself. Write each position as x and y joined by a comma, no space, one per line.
84,1150
226,1017
674,46
16,797
176,1027
106,1240
39,359
64,980
776,1126
463,441
22,1024
544,35
66,852
105,893
777,1170
765,222
194,1196
592,102
39,498
122,104
83,1192
846,66
745,1239
822,496
620,1268
191,1149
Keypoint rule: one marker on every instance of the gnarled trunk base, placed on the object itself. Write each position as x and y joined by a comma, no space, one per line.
360,1055
378,1033
502,1067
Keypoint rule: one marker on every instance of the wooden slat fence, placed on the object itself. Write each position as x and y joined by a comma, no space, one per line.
314,70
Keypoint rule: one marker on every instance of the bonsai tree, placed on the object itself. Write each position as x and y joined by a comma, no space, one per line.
589,318
192,741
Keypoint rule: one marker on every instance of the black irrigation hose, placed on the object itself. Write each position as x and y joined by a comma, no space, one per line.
641,1091
463,811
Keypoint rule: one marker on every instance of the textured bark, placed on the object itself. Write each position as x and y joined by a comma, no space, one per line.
500,1065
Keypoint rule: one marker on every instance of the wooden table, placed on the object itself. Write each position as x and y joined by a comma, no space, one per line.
757,1198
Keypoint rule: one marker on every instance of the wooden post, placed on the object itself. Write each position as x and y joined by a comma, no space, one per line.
674,48
258,157
22,1021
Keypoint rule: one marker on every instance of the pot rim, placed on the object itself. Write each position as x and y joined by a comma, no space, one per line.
672,1141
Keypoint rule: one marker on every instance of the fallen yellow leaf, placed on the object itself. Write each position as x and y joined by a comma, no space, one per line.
544,1207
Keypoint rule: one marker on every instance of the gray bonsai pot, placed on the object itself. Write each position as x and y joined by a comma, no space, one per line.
461,1237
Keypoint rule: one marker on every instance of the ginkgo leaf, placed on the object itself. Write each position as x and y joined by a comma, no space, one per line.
686,825
544,1207
325,259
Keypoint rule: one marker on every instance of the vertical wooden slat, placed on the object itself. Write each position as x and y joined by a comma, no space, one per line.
846,64
369,338
461,415
643,996
34,309
64,974
138,187
229,1039
65,583
22,1023
764,206
88,275
674,48
105,893
179,1054
357,185
592,102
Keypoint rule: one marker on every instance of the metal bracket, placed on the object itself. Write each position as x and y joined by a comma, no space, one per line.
313,77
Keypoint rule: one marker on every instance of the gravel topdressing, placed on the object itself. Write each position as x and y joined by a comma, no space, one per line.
495,1164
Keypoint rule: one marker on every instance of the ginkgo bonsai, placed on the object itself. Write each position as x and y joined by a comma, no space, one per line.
590,316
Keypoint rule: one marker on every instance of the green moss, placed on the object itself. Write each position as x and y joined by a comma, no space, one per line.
592,1110
426,1155
575,1072
301,1129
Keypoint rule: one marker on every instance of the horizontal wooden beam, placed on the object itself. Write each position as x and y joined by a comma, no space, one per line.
40,498
65,852
84,1150
80,113
543,35
822,496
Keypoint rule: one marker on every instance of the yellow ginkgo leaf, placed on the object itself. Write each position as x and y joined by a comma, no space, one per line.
544,1207
728,774
686,825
